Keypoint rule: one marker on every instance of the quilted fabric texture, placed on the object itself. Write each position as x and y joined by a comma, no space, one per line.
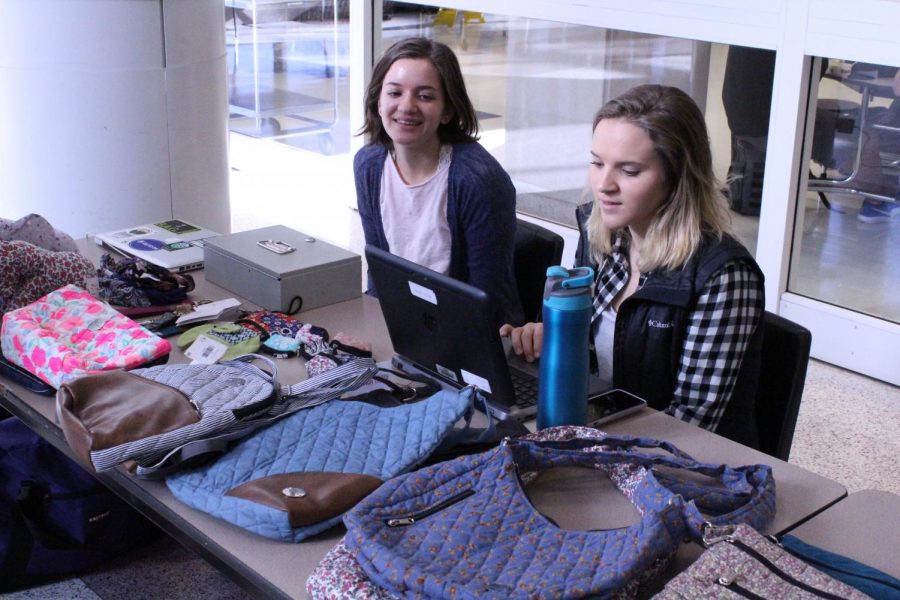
240,409
268,322
465,529
69,333
338,436
37,230
28,272
339,577
732,569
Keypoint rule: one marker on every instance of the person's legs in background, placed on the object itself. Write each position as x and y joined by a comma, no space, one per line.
883,148
879,211
747,99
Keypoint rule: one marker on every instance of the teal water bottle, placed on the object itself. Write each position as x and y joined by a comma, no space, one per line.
563,376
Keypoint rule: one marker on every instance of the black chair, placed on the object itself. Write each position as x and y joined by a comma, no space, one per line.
785,356
536,248
857,139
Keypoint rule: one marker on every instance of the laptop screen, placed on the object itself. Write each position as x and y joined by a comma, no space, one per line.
441,325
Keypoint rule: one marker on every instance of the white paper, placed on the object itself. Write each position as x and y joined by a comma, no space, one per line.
472,379
207,312
206,350
420,291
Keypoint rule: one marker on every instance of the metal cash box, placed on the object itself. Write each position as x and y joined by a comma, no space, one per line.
272,265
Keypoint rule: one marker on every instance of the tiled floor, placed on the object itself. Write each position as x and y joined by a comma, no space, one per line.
848,429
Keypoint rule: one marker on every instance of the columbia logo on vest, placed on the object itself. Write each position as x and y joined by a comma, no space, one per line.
659,324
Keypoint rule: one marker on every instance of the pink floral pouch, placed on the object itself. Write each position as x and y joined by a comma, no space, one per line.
69,333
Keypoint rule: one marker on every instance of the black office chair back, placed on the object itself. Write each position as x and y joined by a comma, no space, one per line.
536,248
785,356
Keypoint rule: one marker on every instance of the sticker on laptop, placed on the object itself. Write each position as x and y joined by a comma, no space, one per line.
472,379
179,245
177,226
132,232
448,373
420,291
147,244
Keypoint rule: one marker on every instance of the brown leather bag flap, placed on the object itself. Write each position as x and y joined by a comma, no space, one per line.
110,408
308,498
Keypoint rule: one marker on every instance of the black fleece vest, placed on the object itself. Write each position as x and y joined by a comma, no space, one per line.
651,326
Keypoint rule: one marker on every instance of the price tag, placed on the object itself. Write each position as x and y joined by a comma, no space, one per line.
206,350
473,379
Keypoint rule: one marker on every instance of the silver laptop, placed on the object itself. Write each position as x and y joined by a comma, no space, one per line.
174,244
445,329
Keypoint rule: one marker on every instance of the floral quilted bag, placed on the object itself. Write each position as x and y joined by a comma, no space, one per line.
69,333
270,322
741,563
465,528
135,282
28,272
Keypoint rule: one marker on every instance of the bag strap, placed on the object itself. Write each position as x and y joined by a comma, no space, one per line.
19,544
407,393
328,385
740,495
246,360
467,434
308,393
843,568
613,442
31,502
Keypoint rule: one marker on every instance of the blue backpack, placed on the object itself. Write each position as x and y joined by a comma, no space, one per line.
55,518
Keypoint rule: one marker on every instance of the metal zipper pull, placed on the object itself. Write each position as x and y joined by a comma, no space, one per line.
410,519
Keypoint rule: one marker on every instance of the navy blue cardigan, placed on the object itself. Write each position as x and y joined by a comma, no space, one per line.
481,212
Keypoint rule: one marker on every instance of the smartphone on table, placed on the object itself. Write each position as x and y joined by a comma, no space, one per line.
611,405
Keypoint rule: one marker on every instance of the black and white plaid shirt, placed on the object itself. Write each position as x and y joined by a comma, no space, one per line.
719,329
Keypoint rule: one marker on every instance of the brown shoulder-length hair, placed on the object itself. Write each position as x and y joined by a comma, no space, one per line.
463,124
695,205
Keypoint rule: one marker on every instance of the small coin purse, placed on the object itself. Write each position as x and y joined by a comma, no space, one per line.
269,322
281,346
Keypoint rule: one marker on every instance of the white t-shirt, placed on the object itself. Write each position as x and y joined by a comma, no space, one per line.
415,216
603,343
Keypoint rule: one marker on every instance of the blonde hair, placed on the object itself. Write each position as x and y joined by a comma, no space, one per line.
695,205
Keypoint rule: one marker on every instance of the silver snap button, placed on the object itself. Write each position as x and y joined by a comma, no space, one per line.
293,492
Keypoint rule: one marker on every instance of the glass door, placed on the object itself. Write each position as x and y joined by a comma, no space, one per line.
846,249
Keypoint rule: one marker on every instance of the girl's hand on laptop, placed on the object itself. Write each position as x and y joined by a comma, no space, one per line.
526,340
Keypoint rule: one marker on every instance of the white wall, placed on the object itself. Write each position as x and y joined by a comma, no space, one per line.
113,112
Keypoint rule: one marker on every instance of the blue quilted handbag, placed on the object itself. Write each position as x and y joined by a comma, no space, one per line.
466,529
298,476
